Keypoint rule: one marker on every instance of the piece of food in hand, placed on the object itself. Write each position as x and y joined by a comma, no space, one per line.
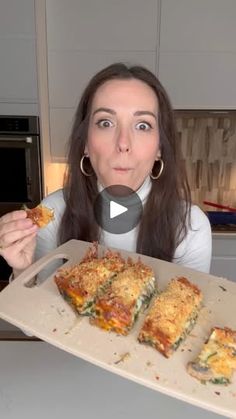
172,316
40,215
129,292
217,359
81,283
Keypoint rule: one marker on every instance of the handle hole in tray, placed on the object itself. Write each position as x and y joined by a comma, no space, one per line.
44,273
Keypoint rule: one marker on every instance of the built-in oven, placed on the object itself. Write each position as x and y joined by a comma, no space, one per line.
20,166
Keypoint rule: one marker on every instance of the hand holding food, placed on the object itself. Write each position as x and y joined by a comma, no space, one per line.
18,231
17,239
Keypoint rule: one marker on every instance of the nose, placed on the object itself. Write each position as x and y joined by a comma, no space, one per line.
123,143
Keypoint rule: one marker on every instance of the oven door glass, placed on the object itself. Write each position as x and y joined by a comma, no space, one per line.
15,170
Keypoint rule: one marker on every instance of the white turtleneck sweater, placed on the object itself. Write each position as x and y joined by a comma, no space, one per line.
194,251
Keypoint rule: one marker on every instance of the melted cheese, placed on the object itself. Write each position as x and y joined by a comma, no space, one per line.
77,299
112,324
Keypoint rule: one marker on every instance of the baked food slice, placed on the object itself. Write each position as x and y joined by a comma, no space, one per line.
80,284
40,215
217,359
129,292
172,316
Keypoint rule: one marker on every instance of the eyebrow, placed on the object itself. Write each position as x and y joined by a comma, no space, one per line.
137,113
140,113
108,110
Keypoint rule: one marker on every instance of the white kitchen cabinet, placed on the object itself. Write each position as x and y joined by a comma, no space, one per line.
18,75
102,25
224,255
83,36
197,54
69,71
199,80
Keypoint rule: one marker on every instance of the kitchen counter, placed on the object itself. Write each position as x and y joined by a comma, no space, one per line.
224,233
39,381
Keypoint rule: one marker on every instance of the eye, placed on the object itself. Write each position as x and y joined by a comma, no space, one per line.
144,126
104,123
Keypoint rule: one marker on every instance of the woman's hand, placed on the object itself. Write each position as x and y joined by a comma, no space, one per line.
17,239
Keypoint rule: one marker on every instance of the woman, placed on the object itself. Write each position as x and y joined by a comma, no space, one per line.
123,134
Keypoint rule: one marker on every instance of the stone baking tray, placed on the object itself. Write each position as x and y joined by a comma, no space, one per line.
40,310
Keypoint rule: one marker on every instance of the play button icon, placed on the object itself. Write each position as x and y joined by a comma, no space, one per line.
118,209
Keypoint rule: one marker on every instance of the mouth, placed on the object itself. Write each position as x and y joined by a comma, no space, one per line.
122,169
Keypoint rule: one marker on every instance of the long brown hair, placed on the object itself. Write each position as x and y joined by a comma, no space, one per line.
166,213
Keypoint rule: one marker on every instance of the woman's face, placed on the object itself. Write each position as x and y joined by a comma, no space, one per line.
123,134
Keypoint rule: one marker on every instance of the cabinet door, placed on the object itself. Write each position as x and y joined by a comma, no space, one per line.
224,256
199,80
18,77
70,71
83,36
224,266
110,25
197,60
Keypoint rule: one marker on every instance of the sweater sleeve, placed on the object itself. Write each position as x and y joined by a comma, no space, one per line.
196,248
47,237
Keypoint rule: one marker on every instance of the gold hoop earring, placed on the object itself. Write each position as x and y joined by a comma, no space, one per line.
81,165
160,171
